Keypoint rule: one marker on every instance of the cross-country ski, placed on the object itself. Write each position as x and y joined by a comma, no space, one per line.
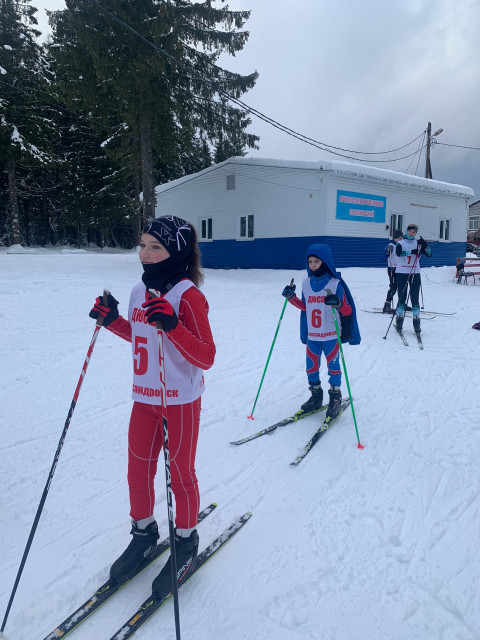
282,423
322,429
422,312
111,587
151,605
407,314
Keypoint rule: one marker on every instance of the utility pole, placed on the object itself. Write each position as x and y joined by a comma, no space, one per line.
430,141
428,166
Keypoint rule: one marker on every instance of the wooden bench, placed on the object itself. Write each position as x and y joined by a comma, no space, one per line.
467,268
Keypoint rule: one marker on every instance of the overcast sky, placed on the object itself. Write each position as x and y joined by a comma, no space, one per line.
363,75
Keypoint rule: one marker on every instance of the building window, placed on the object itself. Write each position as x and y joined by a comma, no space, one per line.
231,182
444,232
396,222
473,224
246,227
206,225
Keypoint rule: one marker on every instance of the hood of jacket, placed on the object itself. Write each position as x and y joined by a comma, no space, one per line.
323,253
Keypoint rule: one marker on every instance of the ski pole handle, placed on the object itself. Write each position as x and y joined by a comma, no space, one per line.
156,294
100,318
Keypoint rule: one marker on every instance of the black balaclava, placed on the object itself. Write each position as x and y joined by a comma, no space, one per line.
322,269
175,235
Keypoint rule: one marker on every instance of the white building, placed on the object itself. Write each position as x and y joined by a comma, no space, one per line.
474,223
259,213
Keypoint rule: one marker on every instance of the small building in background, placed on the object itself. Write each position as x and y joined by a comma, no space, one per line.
473,234
261,213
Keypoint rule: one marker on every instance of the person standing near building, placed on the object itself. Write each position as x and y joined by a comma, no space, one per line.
323,289
409,250
170,257
391,269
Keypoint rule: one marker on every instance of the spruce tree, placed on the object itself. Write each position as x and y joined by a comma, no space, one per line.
166,113
26,125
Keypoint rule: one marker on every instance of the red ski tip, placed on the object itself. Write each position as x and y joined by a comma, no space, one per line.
250,417
360,446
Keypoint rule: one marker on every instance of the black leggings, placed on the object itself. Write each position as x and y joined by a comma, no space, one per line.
392,277
414,281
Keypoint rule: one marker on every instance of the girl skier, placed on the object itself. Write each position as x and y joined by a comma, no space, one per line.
170,257
322,289
409,251
391,269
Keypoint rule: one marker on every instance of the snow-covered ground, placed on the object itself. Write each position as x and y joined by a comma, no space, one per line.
373,544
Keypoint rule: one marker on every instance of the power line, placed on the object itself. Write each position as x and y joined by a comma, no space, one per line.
419,151
445,144
311,141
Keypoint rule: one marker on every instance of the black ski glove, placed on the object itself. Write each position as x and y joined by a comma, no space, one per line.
160,310
422,243
424,247
333,300
108,312
289,291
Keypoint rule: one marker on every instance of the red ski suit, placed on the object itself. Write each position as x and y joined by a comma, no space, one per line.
192,337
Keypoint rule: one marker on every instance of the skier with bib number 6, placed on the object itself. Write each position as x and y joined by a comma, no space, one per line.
322,289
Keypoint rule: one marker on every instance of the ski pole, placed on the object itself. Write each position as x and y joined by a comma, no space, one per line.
250,417
339,340
36,520
168,475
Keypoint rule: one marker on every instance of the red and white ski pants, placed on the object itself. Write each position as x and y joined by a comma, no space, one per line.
145,441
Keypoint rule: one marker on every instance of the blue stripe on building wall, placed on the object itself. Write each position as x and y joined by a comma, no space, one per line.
289,253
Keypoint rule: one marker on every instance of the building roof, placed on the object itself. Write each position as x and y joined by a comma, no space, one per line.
331,166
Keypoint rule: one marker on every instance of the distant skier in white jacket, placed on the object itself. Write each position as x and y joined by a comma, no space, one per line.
391,269
409,251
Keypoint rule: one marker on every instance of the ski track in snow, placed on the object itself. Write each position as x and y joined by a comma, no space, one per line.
350,545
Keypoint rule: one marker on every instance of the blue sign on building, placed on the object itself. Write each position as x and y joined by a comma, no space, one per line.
362,207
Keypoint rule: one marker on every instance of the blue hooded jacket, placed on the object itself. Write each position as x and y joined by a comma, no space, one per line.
350,330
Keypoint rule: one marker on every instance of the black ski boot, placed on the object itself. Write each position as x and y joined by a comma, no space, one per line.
334,403
399,323
416,326
387,307
143,543
186,556
315,400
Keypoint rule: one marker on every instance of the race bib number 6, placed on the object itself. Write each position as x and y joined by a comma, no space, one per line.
316,318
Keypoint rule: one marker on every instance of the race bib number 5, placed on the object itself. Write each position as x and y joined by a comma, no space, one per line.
140,356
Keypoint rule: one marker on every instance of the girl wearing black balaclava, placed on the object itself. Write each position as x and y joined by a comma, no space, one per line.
170,257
